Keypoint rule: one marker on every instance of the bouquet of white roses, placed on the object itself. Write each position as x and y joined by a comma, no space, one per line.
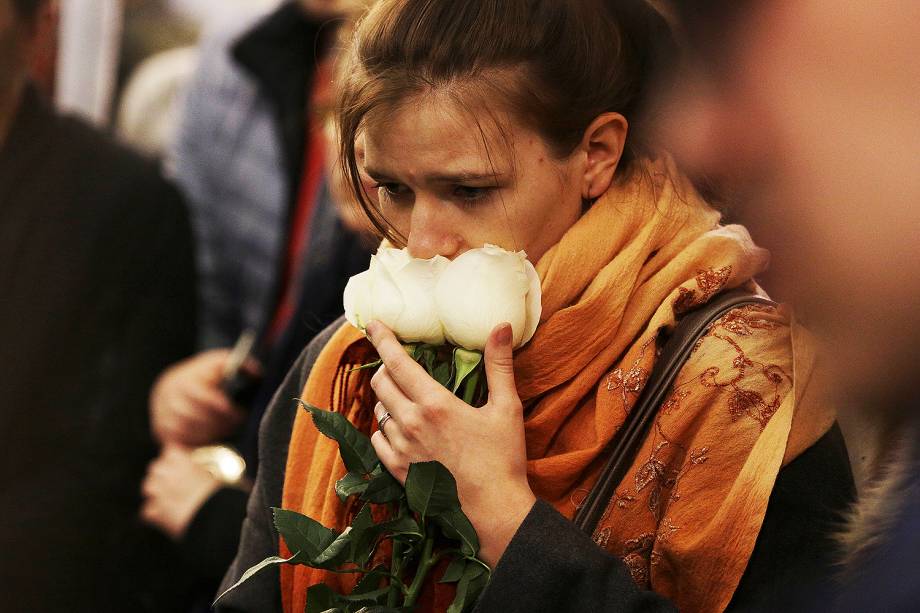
443,311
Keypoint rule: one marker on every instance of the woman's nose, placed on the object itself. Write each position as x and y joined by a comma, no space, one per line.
431,232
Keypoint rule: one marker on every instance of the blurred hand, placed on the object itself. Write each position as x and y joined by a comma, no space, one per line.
483,448
174,489
187,405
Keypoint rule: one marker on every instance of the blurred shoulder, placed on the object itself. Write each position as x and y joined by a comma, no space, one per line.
105,174
216,63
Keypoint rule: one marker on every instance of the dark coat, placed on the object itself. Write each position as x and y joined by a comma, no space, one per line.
96,298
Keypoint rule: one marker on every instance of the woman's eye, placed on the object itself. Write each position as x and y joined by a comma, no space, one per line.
470,195
393,190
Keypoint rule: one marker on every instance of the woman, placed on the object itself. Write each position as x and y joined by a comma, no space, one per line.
522,123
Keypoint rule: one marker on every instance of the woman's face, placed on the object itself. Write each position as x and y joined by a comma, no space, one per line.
448,181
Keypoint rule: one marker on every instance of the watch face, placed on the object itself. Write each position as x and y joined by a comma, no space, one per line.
224,462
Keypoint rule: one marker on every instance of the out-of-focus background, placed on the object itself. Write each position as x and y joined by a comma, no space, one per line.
122,64
170,241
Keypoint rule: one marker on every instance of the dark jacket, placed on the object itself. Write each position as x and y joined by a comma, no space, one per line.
96,298
567,571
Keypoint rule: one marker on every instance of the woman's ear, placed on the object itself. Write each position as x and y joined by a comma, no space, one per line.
602,145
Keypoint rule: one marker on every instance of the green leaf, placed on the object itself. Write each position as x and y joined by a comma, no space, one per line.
430,489
412,350
469,587
350,485
443,373
403,526
368,597
371,581
454,571
336,553
266,563
476,586
471,387
456,525
303,534
321,598
363,520
382,488
427,356
363,536
373,364
465,362
354,447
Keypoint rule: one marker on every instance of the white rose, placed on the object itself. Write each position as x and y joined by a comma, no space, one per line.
483,288
397,291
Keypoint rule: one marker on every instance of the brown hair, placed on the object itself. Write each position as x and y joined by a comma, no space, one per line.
555,64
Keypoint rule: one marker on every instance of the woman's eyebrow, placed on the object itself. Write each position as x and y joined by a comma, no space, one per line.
440,177
463,177
377,175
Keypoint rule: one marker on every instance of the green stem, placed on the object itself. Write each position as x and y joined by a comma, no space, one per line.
469,387
396,565
359,569
425,564
396,584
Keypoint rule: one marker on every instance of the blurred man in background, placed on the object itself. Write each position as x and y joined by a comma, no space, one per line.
811,110
96,298
274,256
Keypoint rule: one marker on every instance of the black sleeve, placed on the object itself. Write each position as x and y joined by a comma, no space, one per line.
258,539
550,565
213,535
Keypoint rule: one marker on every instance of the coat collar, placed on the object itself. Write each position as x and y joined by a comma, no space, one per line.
281,53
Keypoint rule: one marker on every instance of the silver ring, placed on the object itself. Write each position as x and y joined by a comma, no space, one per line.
383,421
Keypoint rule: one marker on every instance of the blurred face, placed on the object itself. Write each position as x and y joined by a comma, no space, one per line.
448,181
817,115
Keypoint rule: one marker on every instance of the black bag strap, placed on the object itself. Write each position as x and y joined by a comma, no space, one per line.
621,451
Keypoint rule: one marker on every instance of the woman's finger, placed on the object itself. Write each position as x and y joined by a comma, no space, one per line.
406,372
390,459
390,429
389,393
499,366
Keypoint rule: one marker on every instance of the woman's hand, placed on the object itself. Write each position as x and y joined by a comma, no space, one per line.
484,448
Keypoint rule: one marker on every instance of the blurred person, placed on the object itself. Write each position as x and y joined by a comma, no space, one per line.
524,124
148,113
96,298
810,110
274,258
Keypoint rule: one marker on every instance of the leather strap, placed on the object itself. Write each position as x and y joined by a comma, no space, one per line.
625,445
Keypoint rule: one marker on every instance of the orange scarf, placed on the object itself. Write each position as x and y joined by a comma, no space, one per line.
686,517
